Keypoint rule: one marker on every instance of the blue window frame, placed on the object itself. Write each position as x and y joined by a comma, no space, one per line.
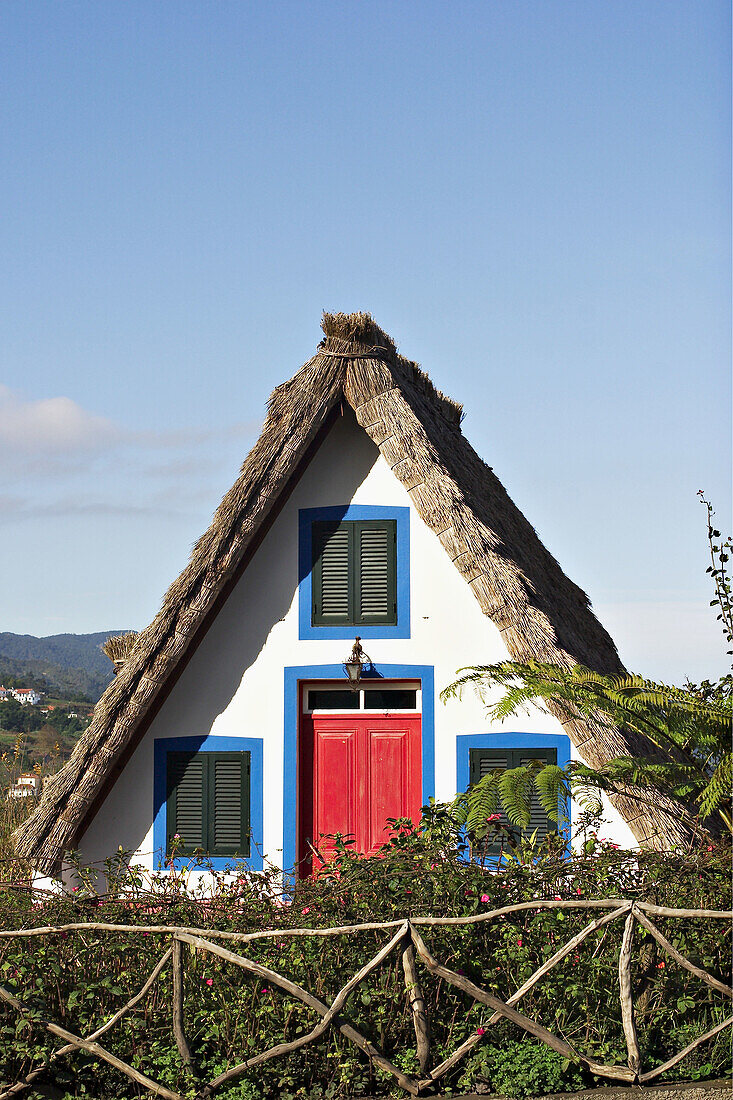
465,742
353,513
165,745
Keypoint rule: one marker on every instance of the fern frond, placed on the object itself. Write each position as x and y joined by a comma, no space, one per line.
718,789
553,791
482,800
515,785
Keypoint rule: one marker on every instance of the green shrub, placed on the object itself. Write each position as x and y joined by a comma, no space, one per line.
79,979
522,1068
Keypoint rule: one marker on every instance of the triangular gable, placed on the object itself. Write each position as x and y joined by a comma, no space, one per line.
518,584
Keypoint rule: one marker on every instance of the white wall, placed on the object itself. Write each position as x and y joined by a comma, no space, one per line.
233,685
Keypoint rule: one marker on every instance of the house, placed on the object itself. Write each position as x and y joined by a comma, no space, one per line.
26,786
232,726
5,694
26,696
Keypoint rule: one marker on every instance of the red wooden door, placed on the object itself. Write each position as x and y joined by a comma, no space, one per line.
357,771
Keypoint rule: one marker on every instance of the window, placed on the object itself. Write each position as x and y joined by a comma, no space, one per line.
483,761
390,699
354,569
333,699
207,803
338,698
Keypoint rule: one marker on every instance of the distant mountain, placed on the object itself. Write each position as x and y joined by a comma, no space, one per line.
71,665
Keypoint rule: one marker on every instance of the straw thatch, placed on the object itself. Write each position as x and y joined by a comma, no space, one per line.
518,584
118,648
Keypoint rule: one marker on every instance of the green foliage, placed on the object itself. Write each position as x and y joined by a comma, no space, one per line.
522,1068
720,552
688,729
19,719
80,979
677,721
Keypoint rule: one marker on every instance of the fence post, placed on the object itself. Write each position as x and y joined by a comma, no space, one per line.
626,995
178,1020
420,1019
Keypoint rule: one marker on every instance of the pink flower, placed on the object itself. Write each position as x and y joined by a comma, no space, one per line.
660,966
306,910
209,981
494,817
480,1031
485,897
519,942
264,989
579,891
557,897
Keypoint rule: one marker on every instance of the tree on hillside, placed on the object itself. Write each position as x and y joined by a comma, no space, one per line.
19,719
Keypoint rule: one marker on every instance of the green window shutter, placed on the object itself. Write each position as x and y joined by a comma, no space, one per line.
186,801
333,586
376,582
354,573
208,803
228,803
484,761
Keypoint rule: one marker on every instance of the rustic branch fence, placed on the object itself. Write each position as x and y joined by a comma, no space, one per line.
408,941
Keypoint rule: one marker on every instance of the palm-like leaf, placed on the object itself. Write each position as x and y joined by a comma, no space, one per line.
691,728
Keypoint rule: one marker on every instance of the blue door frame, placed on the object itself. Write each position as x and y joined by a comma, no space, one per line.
294,676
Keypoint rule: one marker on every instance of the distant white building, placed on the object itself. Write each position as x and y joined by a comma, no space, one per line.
26,696
26,786
5,694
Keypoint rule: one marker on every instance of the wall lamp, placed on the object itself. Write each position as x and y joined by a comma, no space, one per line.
355,662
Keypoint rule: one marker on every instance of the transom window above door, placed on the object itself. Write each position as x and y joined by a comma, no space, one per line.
354,567
375,697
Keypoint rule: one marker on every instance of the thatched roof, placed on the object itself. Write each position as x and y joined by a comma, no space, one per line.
518,584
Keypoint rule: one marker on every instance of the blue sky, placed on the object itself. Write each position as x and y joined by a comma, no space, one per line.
532,198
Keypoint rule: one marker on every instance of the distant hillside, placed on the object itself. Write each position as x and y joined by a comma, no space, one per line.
69,665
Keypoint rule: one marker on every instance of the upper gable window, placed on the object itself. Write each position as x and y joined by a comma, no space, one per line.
354,571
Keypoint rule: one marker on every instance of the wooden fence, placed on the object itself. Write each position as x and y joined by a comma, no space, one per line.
405,938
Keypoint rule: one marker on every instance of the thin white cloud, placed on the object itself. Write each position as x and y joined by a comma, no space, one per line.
181,438
58,461
54,426
57,428
13,509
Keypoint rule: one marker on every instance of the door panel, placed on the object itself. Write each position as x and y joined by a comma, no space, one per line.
334,802
388,766
356,771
